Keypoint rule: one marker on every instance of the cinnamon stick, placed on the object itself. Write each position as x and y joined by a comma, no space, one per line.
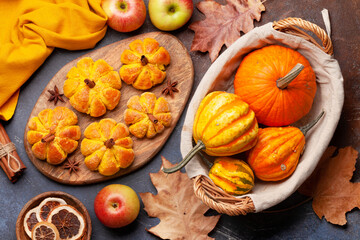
14,165
153,118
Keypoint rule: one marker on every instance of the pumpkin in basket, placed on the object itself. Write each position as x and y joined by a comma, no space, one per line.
277,152
93,87
232,175
224,125
54,134
278,83
146,115
144,64
107,147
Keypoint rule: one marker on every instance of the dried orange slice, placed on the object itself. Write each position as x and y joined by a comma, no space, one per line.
69,222
47,205
30,220
45,231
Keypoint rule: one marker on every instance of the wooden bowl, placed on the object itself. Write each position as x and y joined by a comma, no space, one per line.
35,201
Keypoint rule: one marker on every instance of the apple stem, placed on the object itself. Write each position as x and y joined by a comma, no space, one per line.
115,205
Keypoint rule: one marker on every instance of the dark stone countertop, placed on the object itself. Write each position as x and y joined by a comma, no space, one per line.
296,223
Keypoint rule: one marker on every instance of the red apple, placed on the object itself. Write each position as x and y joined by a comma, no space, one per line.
168,15
124,15
116,205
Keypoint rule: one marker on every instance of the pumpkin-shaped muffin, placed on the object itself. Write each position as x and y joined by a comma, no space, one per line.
107,147
144,64
54,134
147,115
93,87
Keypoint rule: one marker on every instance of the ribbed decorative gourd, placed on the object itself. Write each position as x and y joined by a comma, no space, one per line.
224,125
278,83
232,175
277,152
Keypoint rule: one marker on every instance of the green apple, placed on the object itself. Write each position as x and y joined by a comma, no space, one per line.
169,15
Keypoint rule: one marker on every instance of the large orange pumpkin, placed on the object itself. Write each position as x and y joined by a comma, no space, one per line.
278,83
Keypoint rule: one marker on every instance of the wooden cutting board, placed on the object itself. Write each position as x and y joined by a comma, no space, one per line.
180,70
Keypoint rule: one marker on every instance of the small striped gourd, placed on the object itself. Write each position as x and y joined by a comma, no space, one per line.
277,152
224,125
232,175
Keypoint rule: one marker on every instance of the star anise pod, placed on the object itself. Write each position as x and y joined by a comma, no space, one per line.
170,88
55,95
72,166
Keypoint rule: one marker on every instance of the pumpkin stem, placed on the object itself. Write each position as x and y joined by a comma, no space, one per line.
200,145
285,81
307,127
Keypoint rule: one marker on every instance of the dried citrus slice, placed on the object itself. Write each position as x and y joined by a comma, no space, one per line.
30,220
47,205
45,231
69,222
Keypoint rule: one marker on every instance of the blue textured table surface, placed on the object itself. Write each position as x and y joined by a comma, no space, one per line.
297,223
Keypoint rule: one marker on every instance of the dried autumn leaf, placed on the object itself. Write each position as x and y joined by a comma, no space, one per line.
181,214
223,24
333,193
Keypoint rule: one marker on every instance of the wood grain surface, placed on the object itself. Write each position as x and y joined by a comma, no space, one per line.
35,201
180,70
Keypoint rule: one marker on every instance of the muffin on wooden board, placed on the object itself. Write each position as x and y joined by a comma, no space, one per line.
144,64
107,147
54,134
93,87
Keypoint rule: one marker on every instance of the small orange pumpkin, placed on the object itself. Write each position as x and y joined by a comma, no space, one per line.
224,125
278,83
277,151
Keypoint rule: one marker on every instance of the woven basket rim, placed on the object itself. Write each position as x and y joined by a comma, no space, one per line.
211,195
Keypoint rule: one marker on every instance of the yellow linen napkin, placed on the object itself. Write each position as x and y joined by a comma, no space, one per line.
29,32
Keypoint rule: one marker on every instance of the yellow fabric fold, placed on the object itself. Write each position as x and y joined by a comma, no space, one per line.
29,32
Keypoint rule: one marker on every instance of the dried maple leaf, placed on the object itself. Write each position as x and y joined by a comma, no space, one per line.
333,193
181,214
223,24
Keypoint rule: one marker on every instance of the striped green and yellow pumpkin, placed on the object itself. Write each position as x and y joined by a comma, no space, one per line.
232,175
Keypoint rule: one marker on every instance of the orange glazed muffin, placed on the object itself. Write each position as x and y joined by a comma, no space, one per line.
147,115
144,64
54,134
107,147
93,87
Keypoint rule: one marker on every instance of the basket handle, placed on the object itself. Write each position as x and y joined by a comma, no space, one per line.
289,25
222,202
